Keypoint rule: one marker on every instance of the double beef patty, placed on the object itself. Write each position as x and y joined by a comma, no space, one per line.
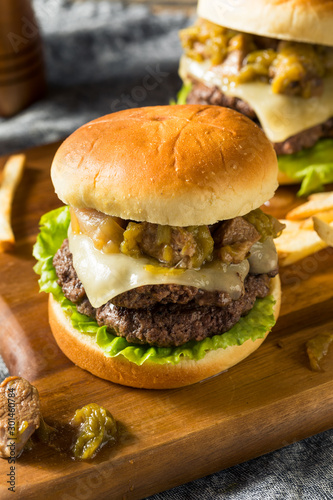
162,315
201,94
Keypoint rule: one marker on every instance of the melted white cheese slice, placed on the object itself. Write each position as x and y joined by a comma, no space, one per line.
263,257
104,276
281,116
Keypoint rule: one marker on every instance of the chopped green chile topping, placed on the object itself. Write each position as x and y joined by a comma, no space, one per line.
265,224
291,68
235,253
132,236
181,247
176,248
193,246
206,40
96,427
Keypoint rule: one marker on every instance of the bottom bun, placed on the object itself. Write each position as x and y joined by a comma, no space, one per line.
84,352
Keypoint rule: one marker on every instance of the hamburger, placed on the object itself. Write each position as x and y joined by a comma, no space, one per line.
161,267
273,62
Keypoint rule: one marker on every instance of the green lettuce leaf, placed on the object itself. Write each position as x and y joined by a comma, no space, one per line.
53,231
313,166
182,94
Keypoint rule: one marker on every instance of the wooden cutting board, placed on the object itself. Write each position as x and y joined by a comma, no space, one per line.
168,437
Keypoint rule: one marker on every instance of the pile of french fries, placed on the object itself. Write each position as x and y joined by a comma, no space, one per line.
309,228
9,180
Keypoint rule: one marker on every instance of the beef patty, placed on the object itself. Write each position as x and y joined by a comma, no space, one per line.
162,315
201,94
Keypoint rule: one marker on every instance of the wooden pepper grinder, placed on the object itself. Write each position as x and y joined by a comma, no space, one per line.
22,78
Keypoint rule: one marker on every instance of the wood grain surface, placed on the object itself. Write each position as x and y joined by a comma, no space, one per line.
168,437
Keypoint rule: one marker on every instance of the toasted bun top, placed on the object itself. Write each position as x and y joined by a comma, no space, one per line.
300,20
175,165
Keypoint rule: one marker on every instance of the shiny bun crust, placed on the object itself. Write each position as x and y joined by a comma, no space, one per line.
84,352
175,165
308,21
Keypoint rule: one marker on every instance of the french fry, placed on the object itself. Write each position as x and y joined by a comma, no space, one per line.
324,216
306,224
319,202
295,243
324,230
11,176
319,196
309,228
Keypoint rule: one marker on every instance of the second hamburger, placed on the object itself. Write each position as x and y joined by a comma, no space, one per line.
272,61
